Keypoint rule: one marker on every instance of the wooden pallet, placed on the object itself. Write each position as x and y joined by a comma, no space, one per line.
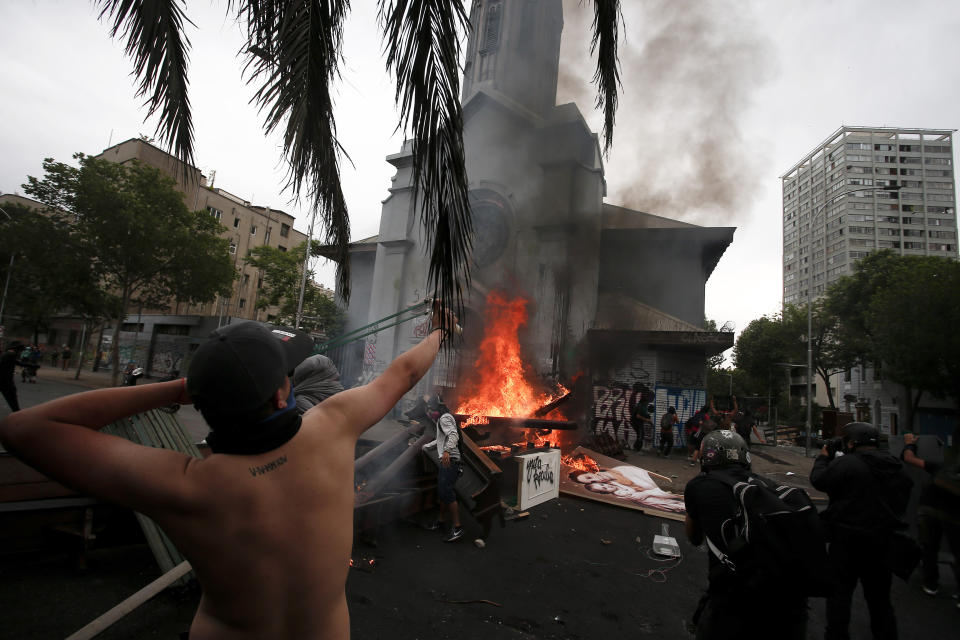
157,429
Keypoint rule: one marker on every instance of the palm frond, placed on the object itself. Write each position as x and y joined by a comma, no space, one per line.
606,19
423,50
294,50
160,50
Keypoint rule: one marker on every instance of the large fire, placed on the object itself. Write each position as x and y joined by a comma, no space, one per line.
500,385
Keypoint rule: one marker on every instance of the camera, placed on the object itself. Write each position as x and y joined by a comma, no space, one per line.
834,445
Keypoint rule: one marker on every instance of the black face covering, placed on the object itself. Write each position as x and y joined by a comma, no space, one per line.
265,435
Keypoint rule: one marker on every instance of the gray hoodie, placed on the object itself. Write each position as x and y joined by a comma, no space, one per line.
314,380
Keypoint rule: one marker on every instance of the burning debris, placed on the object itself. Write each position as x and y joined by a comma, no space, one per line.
580,462
363,564
504,392
502,387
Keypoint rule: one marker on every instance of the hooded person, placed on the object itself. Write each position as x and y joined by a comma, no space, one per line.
868,492
315,379
266,520
8,362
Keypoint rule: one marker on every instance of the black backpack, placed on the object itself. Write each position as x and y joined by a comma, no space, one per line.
775,543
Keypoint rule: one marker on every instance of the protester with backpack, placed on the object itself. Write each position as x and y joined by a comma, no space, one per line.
764,544
868,493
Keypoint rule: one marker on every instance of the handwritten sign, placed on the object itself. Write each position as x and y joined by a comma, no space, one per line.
539,477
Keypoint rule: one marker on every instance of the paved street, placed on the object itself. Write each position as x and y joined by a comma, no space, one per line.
573,569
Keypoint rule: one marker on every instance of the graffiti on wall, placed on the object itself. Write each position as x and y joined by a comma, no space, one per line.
169,354
685,401
613,404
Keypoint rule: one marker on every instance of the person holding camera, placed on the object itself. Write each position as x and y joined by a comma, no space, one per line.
938,515
868,491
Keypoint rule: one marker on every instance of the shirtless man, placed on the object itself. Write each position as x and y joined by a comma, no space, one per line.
266,520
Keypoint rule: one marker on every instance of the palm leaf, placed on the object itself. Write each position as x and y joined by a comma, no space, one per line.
159,49
294,51
606,19
423,50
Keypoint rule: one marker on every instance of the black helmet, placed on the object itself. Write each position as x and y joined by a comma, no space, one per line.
861,434
723,448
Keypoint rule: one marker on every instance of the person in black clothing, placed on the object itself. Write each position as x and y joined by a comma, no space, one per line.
744,423
7,363
667,423
868,493
711,508
938,516
639,419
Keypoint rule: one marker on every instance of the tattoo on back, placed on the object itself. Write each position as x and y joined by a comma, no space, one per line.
270,466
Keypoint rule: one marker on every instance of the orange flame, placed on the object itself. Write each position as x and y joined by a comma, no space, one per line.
500,387
580,462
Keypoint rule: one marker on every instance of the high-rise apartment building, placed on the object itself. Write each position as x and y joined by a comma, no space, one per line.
865,189
861,190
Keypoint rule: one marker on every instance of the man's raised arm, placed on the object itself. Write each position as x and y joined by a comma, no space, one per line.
362,407
61,439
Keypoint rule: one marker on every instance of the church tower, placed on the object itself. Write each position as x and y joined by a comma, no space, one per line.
514,51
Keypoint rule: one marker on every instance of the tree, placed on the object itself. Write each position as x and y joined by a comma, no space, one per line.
849,299
282,276
294,51
142,243
761,345
51,273
902,311
713,362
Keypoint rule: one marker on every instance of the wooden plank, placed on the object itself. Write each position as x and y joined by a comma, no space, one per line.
155,539
126,606
40,505
33,491
480,455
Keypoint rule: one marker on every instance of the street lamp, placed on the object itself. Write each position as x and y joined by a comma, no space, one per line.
6,284
893,186
806,447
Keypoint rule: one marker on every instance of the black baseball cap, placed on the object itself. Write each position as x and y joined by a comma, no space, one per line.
242,365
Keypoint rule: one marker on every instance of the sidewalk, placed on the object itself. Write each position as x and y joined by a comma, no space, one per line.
88,378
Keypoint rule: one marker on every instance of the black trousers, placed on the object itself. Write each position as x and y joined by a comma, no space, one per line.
666,442
859,558
10,395
931,529
728,618
638,429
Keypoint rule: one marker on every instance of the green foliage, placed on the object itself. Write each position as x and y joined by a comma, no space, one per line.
763,343
909,319
713,362
141,243
282,277
50,273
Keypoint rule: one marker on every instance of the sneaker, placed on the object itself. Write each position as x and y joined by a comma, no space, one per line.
931,591
455,534
692,463
433,526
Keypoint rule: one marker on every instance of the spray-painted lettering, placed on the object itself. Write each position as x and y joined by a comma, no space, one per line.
538,473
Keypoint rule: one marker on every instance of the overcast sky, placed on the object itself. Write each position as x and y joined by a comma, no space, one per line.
719,99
